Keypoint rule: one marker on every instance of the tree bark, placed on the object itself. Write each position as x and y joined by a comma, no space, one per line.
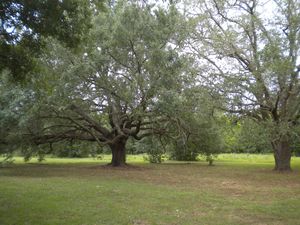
282,155
118,153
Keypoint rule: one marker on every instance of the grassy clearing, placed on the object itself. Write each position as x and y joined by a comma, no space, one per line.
240,189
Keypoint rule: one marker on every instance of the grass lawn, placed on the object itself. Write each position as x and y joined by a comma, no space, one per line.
239,189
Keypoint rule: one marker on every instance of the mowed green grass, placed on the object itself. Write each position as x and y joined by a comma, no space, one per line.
239,189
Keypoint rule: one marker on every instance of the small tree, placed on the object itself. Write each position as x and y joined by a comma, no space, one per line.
199,133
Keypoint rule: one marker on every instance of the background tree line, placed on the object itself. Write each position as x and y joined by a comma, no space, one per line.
183,78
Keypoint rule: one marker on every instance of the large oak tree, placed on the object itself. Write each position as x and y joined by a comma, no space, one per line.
121,85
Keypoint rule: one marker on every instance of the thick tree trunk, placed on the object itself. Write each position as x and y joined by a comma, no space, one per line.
282,155
118,153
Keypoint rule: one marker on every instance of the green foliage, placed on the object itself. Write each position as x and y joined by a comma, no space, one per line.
155,156
253,138
25,24
154,149
15,106
182,152
296,141
7,159
210,159
75,149
199,132
244,135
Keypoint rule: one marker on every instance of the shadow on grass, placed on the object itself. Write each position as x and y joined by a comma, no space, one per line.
44,170
186,169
